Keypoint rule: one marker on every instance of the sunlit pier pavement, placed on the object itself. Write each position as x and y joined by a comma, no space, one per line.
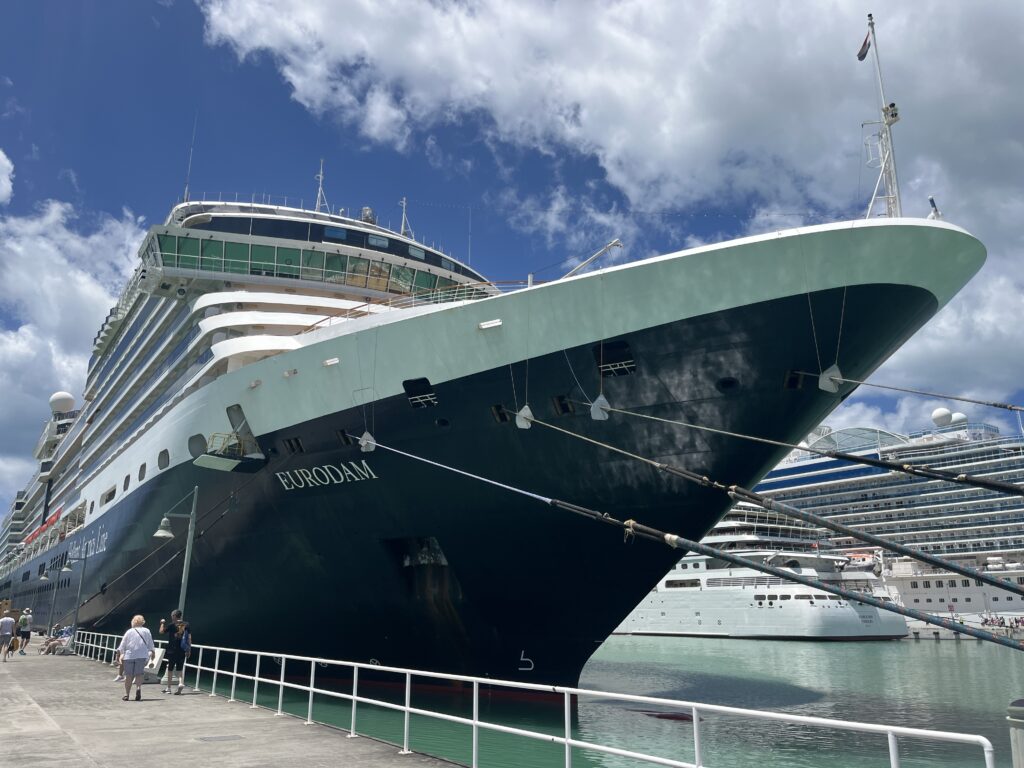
67,711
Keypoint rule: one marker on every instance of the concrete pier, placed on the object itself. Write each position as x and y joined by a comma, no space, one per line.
67,711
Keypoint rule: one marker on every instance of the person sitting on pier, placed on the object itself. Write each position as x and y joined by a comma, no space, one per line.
136,649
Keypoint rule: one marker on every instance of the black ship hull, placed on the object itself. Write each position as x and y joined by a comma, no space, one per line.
340,553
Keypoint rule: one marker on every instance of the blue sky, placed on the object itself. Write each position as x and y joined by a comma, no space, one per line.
559,125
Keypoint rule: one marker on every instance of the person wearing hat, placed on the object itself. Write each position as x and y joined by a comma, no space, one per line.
25,630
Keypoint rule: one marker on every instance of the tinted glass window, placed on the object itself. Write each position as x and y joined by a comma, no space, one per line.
416,253
293,230
335,234
234,224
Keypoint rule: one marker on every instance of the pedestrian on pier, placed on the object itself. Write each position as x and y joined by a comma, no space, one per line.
24,630
6,634
136,649
179,643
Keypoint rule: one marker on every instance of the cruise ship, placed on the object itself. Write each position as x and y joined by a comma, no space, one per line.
298,366
976,527
708,597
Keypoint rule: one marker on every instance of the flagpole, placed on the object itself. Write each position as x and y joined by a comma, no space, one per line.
889,116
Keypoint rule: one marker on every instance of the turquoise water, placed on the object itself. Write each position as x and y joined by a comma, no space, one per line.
956,686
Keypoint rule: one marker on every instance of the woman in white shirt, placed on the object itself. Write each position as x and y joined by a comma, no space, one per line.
136,649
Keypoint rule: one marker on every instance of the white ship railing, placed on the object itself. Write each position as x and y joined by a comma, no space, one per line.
100,647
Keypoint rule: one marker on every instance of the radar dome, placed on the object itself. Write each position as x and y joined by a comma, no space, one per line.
942,417
62,402
958,418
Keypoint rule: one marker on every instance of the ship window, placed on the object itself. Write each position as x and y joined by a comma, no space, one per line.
379,272
335,234
357,269
197,445
759,597
108,496
142,473
967,599
676,583
951,583
288,262
127,479
416,253
499,413
401,280
696,565
683,566
773,597
425,281
188,252
290,230
164,459
614,358
312,265
1020,580
834,597
261,260
927,599
953,599
994,600
335,270
927,585
785,597
448,264
168,244
820,597
913,585
977,582
213,256
345,437
293,445
420,393
92,506
917,600
236,258
375,241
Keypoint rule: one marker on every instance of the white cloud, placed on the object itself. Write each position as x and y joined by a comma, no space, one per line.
688,105
6,178
60,280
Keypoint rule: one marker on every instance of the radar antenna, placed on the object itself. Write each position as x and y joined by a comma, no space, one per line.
406,229
321,198
887,178
192,146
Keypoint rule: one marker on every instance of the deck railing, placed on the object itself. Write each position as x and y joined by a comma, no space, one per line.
101,647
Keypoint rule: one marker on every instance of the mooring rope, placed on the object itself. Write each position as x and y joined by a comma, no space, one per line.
960,398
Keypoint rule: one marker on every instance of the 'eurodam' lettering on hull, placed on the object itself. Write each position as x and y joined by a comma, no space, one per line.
325,474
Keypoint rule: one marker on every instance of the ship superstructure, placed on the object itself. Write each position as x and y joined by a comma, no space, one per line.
260,353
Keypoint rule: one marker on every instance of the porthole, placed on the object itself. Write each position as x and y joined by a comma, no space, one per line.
727,384
164,459
142,472
197,445
127,479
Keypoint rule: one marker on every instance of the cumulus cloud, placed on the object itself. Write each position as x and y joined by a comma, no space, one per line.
6,178
60,279
685,106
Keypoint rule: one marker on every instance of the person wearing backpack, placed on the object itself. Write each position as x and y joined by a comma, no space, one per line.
179,645
24,630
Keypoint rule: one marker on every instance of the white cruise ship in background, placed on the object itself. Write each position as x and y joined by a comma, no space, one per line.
976,527
704,596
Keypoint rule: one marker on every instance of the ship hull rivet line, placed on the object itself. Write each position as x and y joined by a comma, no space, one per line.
632,529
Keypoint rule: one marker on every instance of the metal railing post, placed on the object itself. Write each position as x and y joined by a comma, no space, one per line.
234,677
697,759
312,685
355,692
280,689
894,751
476,723
408,703
256,680
216,666
199,670
567,712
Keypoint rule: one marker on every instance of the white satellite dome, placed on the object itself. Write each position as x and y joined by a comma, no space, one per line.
958,418
941,417
62,402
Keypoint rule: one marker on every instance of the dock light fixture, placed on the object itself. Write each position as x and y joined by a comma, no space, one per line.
164,532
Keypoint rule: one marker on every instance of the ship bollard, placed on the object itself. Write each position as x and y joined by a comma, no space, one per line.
1015,719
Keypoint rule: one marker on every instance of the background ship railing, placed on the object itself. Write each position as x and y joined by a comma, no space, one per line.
243,675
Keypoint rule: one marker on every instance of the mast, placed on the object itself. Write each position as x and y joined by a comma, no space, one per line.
887,178
321,198
406,229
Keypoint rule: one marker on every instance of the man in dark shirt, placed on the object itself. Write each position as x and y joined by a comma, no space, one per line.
174,631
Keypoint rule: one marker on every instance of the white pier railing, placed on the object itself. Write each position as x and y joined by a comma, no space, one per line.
100,647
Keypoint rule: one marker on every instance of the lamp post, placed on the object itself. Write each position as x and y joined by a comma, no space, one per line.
165,532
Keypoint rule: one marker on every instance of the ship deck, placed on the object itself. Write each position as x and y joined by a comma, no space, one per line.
64,710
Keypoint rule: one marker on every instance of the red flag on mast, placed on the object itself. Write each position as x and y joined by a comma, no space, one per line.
863,52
